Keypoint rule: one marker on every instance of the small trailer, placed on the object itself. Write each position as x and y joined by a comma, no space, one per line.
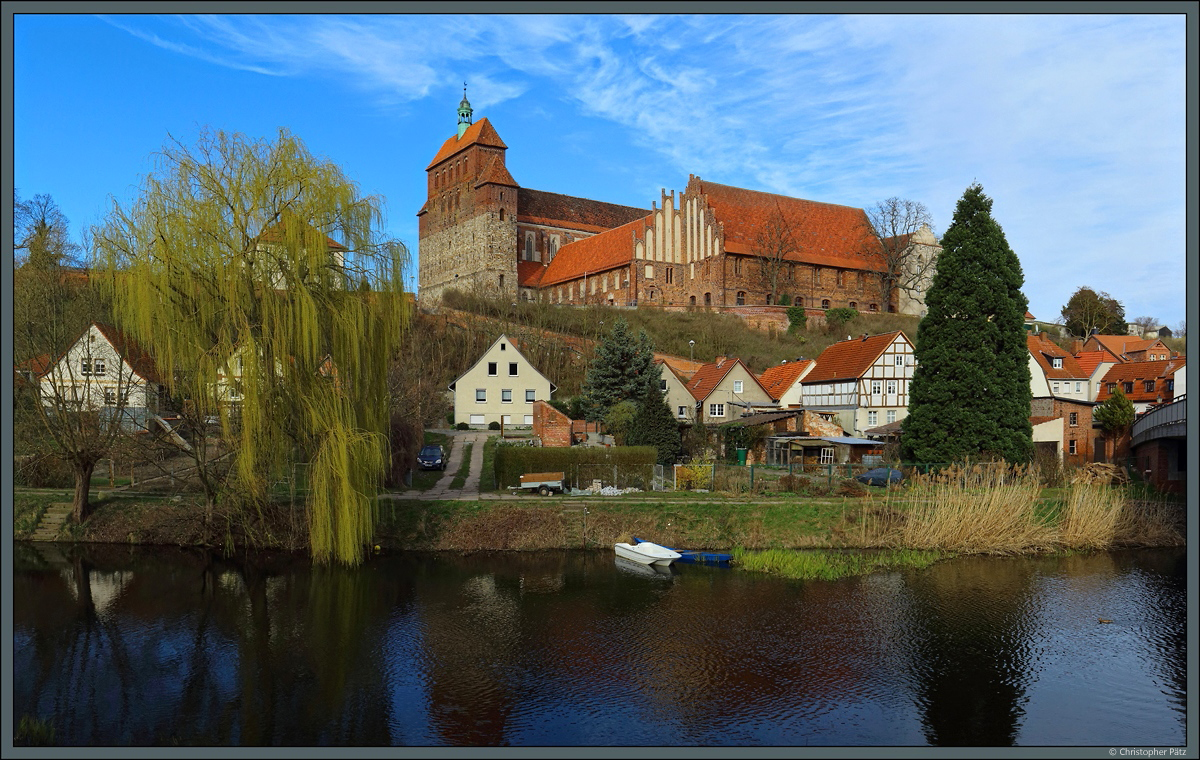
544,483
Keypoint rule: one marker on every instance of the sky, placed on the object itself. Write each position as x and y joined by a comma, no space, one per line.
1073,124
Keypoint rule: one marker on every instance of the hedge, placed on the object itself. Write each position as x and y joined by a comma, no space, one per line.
579,464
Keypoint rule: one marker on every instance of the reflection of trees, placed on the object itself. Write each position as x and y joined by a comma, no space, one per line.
971,626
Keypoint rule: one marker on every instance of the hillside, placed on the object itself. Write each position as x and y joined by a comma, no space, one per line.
561,336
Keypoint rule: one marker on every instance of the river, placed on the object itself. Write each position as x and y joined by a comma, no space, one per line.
134,646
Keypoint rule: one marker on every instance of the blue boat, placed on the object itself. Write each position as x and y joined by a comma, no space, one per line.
698,557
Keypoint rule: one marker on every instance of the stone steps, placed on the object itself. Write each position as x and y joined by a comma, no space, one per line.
52,521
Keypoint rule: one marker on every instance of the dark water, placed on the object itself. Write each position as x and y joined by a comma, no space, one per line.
131,646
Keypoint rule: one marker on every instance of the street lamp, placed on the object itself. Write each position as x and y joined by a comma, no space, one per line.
692,349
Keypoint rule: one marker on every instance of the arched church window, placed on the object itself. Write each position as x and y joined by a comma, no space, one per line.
502,215
741,297
825,303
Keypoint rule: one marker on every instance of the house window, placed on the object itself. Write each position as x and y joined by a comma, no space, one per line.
737,265
110,397
854,304
891,415
1057,362
1055,387
1129,387
529,419
1074,418
716,410
873,307
1078,387
1071,443
891,387
682,412
512,369
899,360
872,418
530,395
1112,387
826,456
506,396
97,367
480,395
825,303
502,346
737,386
662,385
670,275
1149,385
506,419
85,367
876,387
1171,385
529,246
476,419
491,369
741,298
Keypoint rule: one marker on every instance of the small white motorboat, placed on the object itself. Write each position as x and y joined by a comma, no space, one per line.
646,553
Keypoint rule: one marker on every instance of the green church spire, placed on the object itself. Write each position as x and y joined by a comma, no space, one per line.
464,113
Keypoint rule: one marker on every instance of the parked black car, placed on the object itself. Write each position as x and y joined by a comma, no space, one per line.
432,458
881,476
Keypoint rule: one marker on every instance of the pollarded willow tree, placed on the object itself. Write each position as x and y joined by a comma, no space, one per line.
970,393
255,275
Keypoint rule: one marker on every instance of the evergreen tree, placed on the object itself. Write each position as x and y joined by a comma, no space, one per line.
654,425
1116,414
620,371
970,394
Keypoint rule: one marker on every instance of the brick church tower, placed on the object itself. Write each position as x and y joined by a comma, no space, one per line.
468,225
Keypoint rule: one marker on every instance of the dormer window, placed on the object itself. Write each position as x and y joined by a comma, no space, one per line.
1056,362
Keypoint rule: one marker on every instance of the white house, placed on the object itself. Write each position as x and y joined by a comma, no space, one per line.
1055,372
500,387
782,382
865,380
103,371
726,389
676,394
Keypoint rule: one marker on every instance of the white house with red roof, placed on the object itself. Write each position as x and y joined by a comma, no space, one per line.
782,382
1054,371
1145,384
1128,348
726,389
501,386
104,371
674,387
865,380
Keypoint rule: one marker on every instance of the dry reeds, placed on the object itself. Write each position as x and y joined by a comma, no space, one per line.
984,508
1090,516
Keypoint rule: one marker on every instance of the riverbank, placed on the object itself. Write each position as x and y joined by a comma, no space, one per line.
1037,521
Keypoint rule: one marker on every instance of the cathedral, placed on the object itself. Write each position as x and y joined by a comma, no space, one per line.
713,246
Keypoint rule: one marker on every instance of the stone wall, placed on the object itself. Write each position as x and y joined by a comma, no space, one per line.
551,426
475,254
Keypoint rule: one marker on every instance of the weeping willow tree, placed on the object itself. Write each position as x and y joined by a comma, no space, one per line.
255,272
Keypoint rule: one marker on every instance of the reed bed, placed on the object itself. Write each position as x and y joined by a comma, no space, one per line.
983,508
1091,516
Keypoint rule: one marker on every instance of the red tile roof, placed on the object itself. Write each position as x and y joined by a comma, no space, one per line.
1122,345
825,233
1044,351
1029,316
849,359
1089,360
1138,373
495,173
684,369
598,253
481,132
779,378
553,209
709,376
274,233
529,273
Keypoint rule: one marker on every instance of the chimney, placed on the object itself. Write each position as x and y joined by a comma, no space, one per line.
865,336
1077,346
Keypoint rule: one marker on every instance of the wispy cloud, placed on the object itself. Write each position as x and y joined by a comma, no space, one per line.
1074,123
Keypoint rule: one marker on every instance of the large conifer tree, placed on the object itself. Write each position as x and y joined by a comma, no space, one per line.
654,425
620,371
970,394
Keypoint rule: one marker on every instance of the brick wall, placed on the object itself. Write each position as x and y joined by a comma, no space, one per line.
551,426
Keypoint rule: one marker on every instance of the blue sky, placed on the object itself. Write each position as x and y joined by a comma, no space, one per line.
1073,124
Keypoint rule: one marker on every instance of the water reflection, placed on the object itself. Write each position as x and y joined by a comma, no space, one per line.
124,646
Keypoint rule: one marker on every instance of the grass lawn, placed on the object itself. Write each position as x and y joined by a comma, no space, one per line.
464,468
487,477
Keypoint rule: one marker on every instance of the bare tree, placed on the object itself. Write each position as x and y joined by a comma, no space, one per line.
908,266
1146,324
774,246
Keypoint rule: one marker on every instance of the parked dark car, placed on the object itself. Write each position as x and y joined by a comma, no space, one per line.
432,458
880,476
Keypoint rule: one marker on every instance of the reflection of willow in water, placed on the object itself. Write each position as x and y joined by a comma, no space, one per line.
971,627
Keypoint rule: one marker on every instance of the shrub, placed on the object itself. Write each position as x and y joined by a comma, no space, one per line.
42,471
797,319
835,319
693,476
463,426
450,419
493,425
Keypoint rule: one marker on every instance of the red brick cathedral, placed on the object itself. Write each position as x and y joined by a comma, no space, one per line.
714,246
